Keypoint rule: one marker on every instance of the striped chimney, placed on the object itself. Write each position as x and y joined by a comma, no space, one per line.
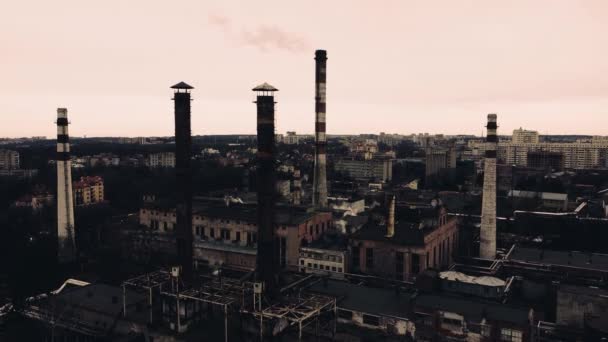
66,251
319,196
487,247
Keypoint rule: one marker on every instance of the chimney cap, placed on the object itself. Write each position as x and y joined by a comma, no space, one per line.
265,87
182,85
321,54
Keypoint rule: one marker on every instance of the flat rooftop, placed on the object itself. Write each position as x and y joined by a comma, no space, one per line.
592,261
374,301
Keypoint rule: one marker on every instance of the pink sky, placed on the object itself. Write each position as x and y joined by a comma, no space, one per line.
403,67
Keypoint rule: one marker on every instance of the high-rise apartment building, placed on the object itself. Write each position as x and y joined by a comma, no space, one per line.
88,190
522,136
9,160
163,159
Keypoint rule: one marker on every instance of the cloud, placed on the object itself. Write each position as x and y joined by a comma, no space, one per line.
263,37
271,37
220,21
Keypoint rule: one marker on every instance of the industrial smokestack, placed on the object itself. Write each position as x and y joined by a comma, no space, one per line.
297,188
487,248
390,223
319,196
267,266
66,251
183,172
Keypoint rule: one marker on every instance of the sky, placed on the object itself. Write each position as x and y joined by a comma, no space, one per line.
393,66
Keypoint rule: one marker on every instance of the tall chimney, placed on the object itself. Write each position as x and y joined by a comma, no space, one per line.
390,223
66,249
183,172
267,265
319,196
297,188
487,247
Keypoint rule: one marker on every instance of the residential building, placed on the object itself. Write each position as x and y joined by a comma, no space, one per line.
9,160
369,170
438,159
291,138
88,190
163,159
582,154
36,201
522,136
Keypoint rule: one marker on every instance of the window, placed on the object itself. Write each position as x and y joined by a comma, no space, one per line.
225,234
212,232
371,320
283,251
415,264
369,258
333,268
317,229
315,265
310,230
510,335
486,330
198,230
434,256
165,226
309,265
399,258
355,252
339,269
238,236
301,262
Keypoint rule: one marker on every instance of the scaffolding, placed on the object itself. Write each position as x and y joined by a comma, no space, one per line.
151,282
299,311
296,310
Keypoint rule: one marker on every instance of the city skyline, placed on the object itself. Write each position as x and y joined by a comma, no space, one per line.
436,69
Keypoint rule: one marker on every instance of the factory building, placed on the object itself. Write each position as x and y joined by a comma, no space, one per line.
418,240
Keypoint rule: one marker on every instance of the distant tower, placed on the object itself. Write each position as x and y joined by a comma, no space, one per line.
267,265
183,172
66,251
319,195
297,188
390,223
487,248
